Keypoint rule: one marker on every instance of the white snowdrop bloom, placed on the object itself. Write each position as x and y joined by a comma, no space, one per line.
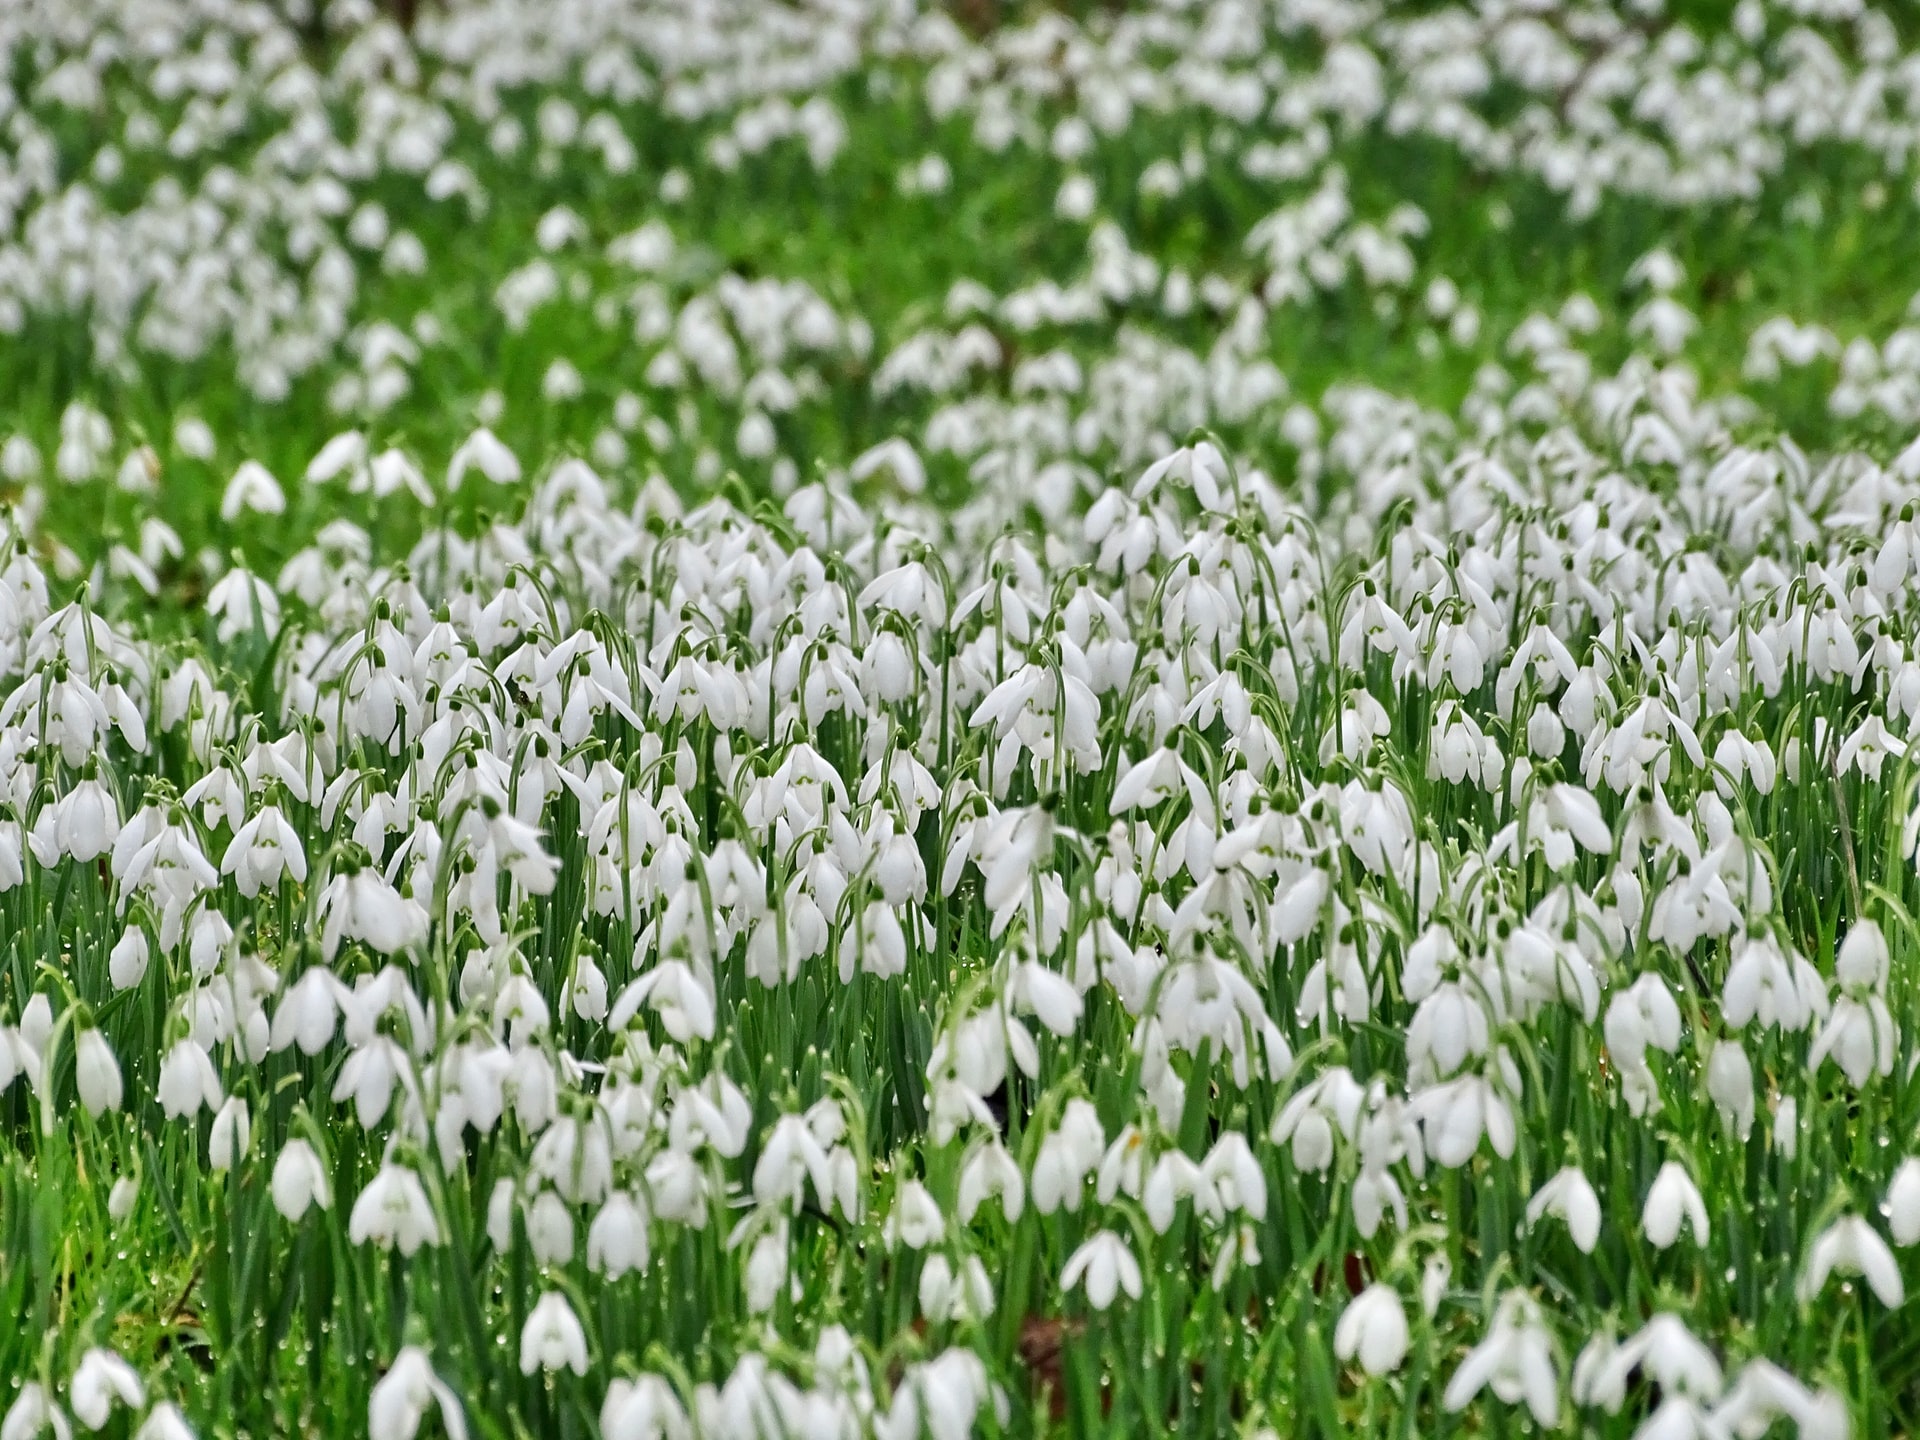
941,1397
1902,1206
576,1154
1859,1036
83,825
1570,1196
32,1413
1076,198
791,1155
1862,959
1105,1266
617,1240
231,1135
1766,984
122,1199
97,1074
1455,1114
188,1081
587,994
101,1380
1373,1329
897,458
642,1408
1516,1360
340,456
1763,1393
299,1180
990,1173
1067,1156
483,453
1730,1084
391,472
252,489
1664,1349
363,906
1234,1173
1673,1200
400,1399
915,1220
240,603
393,1211
549,1227
1852,1247
1786,1127
767,1271
562,382
310,1011
676,994
1868,748
262,850
165,1422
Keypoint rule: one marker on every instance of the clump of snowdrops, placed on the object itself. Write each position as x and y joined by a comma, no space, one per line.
646,847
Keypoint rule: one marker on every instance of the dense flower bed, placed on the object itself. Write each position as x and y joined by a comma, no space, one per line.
748,721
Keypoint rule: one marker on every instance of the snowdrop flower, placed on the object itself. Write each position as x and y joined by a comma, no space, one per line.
1763,1392
1516,1360
1902,1207
767,1270
238,602
483,453
101,1379
1852,1247
393,1211
262,850
1435,1276
84,825
1106,1266
392,471
1730,1084
165,1422
231,1135
552,1338
1862,960
1786,1127
1664,1349
310,1011
1859,1036
1454,1115
942,1398
915,1220
617,1239
945,1295
989,1172
400,1399
122,1198
33,1412
676,994
188,1081
299,1180
97,1073
1067,1156
1570,1196
1373,1328
1672,1200
252,488
549,1227
363,906
643,1408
